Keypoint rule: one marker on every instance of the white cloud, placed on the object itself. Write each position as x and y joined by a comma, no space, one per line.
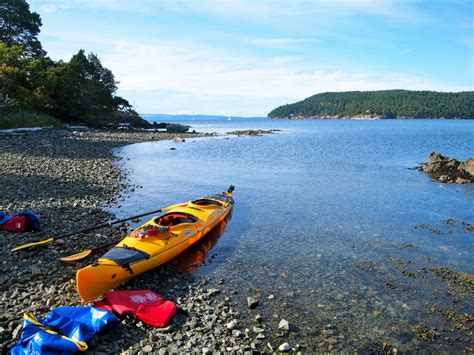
195,76
290,11
279,42
48,8
197,79
170,77
408,50
121,5
262,10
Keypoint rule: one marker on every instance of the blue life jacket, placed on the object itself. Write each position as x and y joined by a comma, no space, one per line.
64,330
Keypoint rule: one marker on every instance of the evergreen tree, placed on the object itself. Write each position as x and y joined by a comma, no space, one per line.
84,89
20,26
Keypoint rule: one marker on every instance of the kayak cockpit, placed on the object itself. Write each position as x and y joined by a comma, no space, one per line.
174,218
207,202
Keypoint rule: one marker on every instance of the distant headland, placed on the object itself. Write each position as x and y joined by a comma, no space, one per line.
401,104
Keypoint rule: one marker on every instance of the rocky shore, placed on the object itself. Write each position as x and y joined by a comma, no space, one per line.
333,117
449,170
253,132
67,178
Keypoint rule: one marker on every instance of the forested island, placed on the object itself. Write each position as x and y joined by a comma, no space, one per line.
36,90
381,104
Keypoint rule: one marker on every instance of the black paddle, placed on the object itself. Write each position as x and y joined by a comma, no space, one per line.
52,239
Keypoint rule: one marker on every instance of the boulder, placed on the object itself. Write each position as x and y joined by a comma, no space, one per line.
176,128
461,181
447,170
469,166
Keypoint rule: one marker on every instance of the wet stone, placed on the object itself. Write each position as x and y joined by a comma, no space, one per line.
213,291
252,302
232,324
147,348
285,347
258,330
284,325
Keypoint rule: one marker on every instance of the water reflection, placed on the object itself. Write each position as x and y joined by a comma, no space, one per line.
197,255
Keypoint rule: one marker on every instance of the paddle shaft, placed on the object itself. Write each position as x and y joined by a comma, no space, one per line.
105,225
85,253
52,239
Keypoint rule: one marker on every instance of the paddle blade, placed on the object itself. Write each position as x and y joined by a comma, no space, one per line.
29,245
75,257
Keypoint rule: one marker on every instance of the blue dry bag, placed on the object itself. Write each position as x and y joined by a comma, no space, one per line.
65,330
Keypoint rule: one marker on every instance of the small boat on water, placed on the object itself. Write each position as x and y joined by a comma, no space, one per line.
229,118
154,243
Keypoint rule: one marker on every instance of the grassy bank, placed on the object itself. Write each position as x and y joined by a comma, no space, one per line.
22,119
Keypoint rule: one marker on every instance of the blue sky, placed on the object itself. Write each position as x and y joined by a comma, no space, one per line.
246,57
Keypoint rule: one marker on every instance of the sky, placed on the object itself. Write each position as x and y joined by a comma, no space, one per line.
246,57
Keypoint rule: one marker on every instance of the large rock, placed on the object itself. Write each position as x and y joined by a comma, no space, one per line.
449,170
253,132
469,166
176,128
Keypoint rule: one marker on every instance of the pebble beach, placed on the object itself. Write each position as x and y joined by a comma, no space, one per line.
68,178
72,178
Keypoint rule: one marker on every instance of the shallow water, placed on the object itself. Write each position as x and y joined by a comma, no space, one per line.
330,219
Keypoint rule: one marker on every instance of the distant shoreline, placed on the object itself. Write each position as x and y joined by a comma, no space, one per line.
382,104
363,117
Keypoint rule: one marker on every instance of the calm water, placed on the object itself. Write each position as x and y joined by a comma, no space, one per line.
326,220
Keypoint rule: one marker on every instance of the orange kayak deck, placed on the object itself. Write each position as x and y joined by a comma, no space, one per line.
153,244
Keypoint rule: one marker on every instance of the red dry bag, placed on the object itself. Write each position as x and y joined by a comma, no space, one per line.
15,224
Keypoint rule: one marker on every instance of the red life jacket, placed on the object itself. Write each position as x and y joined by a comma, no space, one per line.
104,304
146,305
156,316
123,302
15,224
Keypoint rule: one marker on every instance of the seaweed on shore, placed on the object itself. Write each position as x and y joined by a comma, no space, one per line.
425,333
450,227
448,293
433,230
459,224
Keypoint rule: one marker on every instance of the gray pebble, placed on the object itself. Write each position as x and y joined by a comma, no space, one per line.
285,347
252,302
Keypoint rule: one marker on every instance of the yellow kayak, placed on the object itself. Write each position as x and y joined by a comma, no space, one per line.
154,243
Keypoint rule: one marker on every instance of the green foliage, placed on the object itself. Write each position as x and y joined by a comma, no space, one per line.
20,26
20,119
385,104
81,90
24,79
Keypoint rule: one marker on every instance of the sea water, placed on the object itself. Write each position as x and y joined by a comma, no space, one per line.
330,218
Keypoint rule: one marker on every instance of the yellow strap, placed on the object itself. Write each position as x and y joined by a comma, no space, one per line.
81,345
